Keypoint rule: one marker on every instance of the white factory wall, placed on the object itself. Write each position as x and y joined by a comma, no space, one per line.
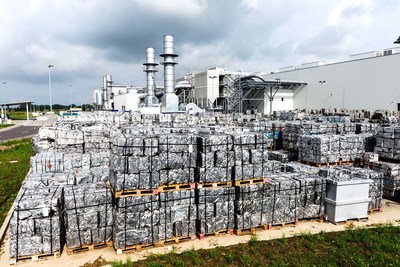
371,83
283,100
127,102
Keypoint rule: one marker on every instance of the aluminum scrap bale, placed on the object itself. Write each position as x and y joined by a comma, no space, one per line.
254,205
391,177
319,149
177,176
213,175
36,225
136,221
312,194
214,142
76,161
47,162
88,215
215,209
177,214
297,167
177,143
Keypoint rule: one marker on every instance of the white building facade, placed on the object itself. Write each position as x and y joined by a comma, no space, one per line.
372,83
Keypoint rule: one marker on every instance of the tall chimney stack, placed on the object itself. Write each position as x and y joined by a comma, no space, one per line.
107,87
150,69
169,100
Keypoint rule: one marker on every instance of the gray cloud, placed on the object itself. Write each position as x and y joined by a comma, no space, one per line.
86,39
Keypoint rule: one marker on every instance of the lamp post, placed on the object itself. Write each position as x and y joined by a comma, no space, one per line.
51,104
320,106
4,101
70,101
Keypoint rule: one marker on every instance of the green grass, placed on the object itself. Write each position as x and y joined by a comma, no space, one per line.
5,125
12,174
18,115
355,247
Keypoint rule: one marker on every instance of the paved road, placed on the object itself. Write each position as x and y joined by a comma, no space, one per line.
18,132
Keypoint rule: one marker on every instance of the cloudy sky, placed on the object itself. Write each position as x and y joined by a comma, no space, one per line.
85,39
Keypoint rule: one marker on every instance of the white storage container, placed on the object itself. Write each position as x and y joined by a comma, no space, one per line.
344,191
347,199
346,210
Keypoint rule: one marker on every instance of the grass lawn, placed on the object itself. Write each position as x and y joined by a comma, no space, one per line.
18,115
12,174
355,247
5,125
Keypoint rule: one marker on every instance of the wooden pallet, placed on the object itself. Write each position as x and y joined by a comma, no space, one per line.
217,233
318,164
346,162
132,193
253,230
139,247
91,247
213,185
252,181
174,187
375,210
35,257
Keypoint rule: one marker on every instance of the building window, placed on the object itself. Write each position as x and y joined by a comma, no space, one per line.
123,108
282,98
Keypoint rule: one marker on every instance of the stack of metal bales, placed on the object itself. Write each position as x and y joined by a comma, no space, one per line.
319,149
152,178
391,177
36,227
215,195
88,215
388,142
120,177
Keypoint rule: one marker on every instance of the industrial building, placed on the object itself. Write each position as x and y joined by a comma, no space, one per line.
365,81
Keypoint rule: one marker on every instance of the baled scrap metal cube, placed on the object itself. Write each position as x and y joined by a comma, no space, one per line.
177,213
136,221
177,176
212,142
88,215
177,143
215,209
213,175
39,209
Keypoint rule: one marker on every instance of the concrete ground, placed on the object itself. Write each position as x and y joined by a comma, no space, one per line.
390,214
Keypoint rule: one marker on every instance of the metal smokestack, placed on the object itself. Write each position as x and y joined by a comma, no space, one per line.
107,85
169,99
150,69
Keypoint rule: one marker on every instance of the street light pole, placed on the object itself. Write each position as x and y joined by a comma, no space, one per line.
51,104
4,101
70,101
